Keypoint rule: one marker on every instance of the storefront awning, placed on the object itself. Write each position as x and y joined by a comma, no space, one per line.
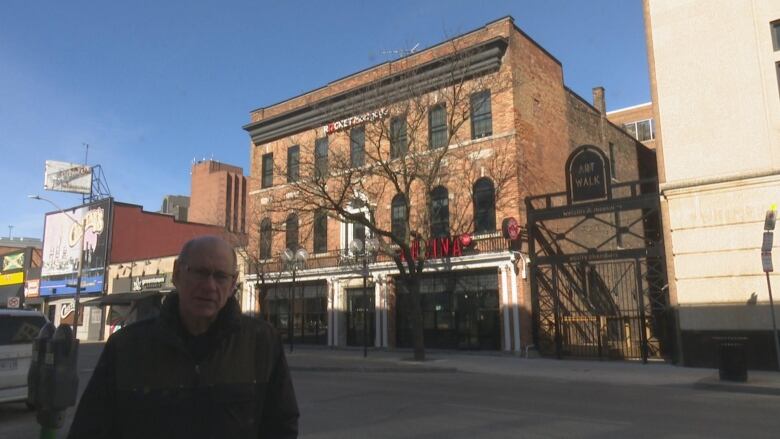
121,298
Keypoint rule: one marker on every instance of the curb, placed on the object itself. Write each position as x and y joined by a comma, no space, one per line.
736,387
410,369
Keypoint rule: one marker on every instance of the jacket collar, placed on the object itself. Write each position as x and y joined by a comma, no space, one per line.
228,320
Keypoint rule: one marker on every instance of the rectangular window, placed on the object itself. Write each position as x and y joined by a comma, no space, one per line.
321,157
293,163
641,130
437,127
481,117
357,147
320,231
777,67
775,34
398,141
268,170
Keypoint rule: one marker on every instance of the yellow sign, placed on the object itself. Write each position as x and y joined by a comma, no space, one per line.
12,279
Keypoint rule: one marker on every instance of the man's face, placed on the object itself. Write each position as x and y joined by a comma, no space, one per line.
205,281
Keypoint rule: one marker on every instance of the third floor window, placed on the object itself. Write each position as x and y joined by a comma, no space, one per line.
357,147
437,127
321,157
398,141
293,163
481,116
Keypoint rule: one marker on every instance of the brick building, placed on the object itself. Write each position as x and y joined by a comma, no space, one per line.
116,234
637,121
485,120
218,195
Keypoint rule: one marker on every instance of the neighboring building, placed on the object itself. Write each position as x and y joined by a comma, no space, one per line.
176,205
636,121
20,263
475,297
715,73
116,233
218,196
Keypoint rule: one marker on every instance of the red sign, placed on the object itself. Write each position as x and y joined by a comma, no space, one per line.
344,124
510,228
444,247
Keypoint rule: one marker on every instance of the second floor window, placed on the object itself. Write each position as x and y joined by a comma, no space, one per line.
265,239
321,157
291,232
440,212
481,117
484,206
357,147
293,163
268,170
398,141
320,231
437,127
398,216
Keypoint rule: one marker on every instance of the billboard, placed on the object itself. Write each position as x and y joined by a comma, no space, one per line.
61,239
67,177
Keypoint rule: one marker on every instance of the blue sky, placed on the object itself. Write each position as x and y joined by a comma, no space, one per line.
151,85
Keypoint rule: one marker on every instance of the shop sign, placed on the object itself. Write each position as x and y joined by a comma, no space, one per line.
13,302
13,262
31,289
149,283
12,279
67,314
442,247
587,175
343,124
510,228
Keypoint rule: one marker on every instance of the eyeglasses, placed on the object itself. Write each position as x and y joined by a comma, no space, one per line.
202,275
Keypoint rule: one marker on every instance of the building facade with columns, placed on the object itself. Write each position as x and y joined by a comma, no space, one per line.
519,124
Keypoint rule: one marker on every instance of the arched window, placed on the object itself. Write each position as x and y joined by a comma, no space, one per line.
398,216
440,212
484,206
265,238
291,232
320,231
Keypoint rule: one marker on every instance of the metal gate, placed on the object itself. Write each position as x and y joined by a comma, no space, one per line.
599,276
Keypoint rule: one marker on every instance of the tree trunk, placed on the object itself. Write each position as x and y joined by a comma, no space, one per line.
413,287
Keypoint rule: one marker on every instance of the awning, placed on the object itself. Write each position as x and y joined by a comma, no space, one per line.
121,298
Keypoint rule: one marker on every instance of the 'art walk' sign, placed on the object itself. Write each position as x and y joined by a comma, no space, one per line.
587,175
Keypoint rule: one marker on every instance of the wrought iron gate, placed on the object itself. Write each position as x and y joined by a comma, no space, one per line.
599,275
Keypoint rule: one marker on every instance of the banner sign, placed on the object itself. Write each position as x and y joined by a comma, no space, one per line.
62,238
12,278
31,289
67,177
587,175
13,261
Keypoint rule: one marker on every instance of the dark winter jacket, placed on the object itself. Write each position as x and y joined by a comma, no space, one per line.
154,380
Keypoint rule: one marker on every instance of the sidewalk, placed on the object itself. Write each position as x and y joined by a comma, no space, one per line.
308,358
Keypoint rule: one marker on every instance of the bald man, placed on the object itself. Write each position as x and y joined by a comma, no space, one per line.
199,370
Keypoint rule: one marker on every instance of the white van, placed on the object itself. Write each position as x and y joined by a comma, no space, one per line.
18,329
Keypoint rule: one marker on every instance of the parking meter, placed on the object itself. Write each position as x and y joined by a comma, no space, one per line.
58,380
36,363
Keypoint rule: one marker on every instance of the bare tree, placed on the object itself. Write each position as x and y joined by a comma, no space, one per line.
412,135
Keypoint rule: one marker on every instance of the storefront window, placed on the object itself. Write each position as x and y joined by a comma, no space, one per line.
310,312
460,311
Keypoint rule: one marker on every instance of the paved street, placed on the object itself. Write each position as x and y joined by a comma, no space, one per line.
494,396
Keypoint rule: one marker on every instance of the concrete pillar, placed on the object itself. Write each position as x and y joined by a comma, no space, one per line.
505,306
515,307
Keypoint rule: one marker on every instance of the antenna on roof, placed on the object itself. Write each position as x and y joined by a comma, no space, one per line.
400,53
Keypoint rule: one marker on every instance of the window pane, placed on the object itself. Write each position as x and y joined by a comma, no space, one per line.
357,146
321,157
481,117
265,238
268,170
398,139
398,216
293,161
484,206
643,130
440,212
291,232
320,232
630,129
437,127
776,35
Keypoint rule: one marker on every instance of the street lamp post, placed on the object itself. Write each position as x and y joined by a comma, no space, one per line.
82,227
364,248
293,261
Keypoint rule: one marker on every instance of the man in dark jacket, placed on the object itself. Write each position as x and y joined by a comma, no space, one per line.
199,370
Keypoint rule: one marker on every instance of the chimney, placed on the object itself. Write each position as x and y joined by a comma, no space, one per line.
598,100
